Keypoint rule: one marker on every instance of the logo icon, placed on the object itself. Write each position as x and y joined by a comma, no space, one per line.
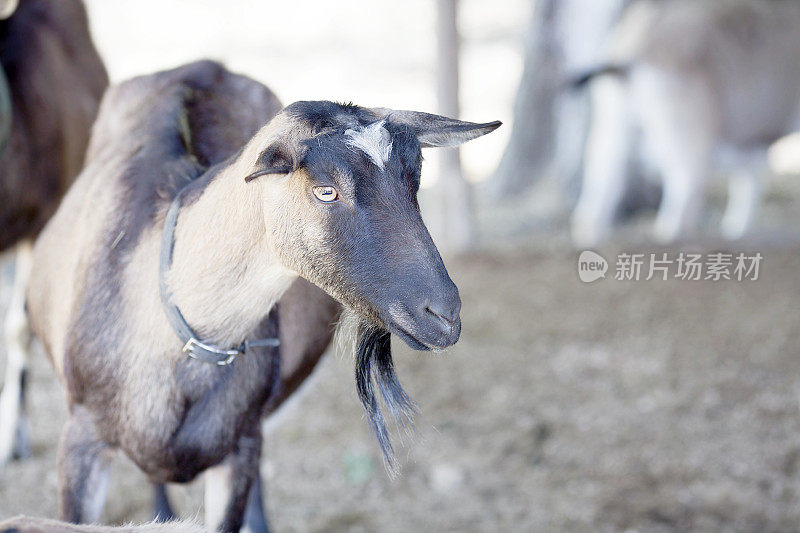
591,266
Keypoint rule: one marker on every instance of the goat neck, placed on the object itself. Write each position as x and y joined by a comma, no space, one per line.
224,277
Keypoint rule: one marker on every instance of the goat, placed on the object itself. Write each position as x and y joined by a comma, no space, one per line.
25,524
251,198
708,83
54,81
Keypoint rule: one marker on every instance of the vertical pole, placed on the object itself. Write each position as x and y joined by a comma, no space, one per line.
454,221
530,148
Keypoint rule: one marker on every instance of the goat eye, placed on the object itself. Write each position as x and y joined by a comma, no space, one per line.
325,193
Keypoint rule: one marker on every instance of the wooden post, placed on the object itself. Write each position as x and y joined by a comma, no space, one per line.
453,222
530,148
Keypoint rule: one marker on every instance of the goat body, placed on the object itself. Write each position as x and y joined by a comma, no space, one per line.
55,80
250,221
708,83
154,134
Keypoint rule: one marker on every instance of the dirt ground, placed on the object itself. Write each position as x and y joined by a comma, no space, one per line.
642,406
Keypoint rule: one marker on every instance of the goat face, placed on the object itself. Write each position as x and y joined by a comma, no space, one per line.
342,212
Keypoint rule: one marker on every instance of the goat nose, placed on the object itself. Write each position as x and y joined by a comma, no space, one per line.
446,310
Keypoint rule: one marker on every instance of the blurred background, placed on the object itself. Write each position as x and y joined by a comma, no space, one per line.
612,406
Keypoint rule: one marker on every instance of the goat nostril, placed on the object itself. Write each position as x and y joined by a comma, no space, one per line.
444,317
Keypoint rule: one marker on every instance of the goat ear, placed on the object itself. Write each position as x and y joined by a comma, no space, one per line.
275,159
436,130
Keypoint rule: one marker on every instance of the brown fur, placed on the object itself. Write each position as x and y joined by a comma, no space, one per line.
56,79
307,318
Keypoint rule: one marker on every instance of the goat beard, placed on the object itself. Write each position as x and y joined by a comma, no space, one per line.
375,368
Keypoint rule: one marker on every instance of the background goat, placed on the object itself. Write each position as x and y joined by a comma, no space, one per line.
718,94
324,190
55,80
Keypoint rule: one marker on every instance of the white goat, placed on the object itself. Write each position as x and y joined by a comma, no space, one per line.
709,84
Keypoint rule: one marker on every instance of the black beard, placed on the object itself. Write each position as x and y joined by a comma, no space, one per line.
374,360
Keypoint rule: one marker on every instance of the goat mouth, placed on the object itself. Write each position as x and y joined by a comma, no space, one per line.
413,342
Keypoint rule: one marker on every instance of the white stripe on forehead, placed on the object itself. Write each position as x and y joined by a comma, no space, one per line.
374,140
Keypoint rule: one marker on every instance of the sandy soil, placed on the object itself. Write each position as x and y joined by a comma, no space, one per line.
650,406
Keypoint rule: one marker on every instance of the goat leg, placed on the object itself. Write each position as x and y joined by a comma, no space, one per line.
14,429
82,469
255,517
162,511
228,484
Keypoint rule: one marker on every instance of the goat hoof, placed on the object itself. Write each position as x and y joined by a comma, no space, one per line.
23,448
162,510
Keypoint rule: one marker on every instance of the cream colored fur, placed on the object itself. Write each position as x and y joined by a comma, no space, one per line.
26,524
